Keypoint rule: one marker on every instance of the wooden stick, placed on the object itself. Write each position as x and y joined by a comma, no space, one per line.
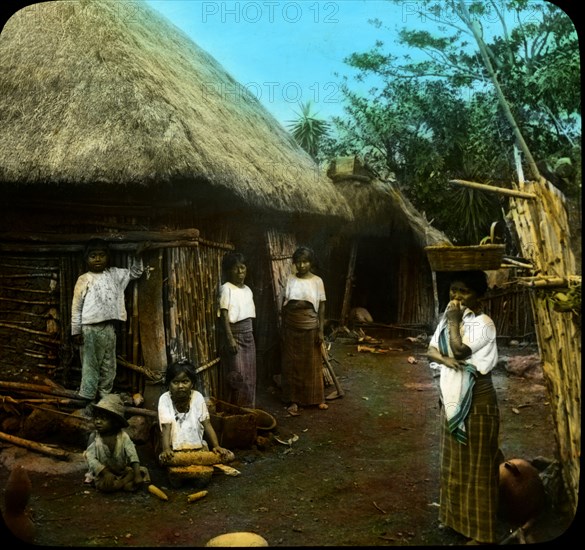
38,388
33,302
142,412
56,247
515,263
34,446
207,365
28,290
494,189
129,236
29,314
325,354
151,375
24,329
43,275
221,246
55,401
541,282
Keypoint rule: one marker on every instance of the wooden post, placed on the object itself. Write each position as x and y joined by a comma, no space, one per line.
151,322
345,308
435,295
34,446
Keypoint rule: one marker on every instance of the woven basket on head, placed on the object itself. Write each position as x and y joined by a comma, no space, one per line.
465,258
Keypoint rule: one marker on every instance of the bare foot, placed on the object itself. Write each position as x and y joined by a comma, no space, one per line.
323,406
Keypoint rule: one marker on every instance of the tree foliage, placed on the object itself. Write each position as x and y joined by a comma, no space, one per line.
308,130
432,117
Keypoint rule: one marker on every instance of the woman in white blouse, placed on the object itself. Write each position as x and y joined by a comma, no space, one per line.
303,315
464,349
238,349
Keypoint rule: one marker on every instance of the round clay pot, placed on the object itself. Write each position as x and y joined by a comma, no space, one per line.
264,421
522,495
242,539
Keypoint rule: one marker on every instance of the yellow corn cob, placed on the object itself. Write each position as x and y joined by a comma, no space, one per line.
228,470
196,496
188,458
195,471
154,490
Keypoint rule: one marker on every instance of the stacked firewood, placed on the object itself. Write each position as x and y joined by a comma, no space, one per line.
29,413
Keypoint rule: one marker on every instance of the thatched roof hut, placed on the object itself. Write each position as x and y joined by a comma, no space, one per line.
105,92
115,124
388,273
392,270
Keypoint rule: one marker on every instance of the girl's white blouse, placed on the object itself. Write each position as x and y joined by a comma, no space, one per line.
187,434
238,301
310,290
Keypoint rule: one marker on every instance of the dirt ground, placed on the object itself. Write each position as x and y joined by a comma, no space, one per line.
362,473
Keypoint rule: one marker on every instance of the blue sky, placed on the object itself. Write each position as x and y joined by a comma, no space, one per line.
289,51
286,51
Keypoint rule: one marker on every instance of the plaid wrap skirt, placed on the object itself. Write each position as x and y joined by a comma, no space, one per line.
240,369
302,362
470,475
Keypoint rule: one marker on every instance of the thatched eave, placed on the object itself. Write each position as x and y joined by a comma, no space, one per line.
380,208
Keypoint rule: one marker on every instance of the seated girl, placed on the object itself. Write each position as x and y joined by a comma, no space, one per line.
189,443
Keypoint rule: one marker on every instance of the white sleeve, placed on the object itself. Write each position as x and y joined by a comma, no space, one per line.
166,414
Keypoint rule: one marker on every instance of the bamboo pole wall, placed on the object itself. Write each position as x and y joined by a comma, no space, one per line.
544,235
415,291
193,280
27,278
31,322
511,310
281,247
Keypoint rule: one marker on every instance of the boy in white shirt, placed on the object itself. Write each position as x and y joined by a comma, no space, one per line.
98,302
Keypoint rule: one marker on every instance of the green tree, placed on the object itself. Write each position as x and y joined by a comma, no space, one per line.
532,46
308,130
440,118
419,133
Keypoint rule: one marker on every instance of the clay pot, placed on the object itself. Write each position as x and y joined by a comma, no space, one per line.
522,495
264,420
241,538
17,491
16,498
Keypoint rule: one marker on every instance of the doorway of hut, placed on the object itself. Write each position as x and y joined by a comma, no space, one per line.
374,281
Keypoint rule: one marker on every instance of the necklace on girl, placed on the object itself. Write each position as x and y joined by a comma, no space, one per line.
180,416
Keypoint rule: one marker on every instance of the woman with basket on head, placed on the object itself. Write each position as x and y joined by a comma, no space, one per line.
464,349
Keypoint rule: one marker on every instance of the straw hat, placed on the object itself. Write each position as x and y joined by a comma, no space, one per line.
112,404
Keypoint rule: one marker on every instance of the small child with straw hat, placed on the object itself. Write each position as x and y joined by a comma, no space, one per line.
111,455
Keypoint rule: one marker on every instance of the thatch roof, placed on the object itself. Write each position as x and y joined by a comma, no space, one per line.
380,208
107,92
